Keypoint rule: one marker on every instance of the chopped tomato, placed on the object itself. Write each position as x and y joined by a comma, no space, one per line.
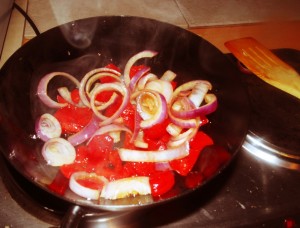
139,168
184,166
73,119
59,184
193,179
113,108
157,131
128,116
161,182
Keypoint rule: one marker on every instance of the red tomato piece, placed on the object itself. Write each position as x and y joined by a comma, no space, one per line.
161,182
113,108
59,184
184,166
139,168
157,131
193,179
128,116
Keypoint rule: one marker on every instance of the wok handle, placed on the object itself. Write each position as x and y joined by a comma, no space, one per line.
78,216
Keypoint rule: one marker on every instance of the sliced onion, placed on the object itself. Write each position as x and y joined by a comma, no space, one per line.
47,127
85,192
189,86
152,107
92,76
182,138
168,76
66,95
132,60
43,86
109,87
85,133
183,123
144,80
163,87
122,188
137,76
110,128
198,93
210,106
58,152
154,156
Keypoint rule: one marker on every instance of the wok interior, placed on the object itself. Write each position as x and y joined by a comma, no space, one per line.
83,45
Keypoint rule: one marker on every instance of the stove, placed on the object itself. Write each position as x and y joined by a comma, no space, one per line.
259,189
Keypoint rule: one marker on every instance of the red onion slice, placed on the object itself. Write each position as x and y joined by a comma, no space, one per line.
58,152
85,133
210,106
152,107
47,127
163,87
90,78
122,188
144,80
85,192
154,156
132,60
43,86
137,77
108,129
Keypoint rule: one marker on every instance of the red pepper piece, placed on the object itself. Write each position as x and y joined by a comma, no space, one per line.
161,182
184,166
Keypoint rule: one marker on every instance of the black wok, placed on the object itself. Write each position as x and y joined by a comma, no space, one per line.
80,46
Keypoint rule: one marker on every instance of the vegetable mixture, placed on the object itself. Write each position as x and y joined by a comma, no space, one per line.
119,135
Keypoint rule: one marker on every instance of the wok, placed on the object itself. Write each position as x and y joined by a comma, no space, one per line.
82,45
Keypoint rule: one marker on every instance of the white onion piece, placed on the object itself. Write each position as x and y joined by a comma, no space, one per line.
163,87
109,129
125,187
47,127
66,95
58,152
93,76
85,192
168,76
143,81
182,138
198,93
132,60
154,156
152,107
173,129
43,86
139,141
189,86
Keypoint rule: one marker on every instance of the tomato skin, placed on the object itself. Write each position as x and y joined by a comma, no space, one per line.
184,166
161,182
